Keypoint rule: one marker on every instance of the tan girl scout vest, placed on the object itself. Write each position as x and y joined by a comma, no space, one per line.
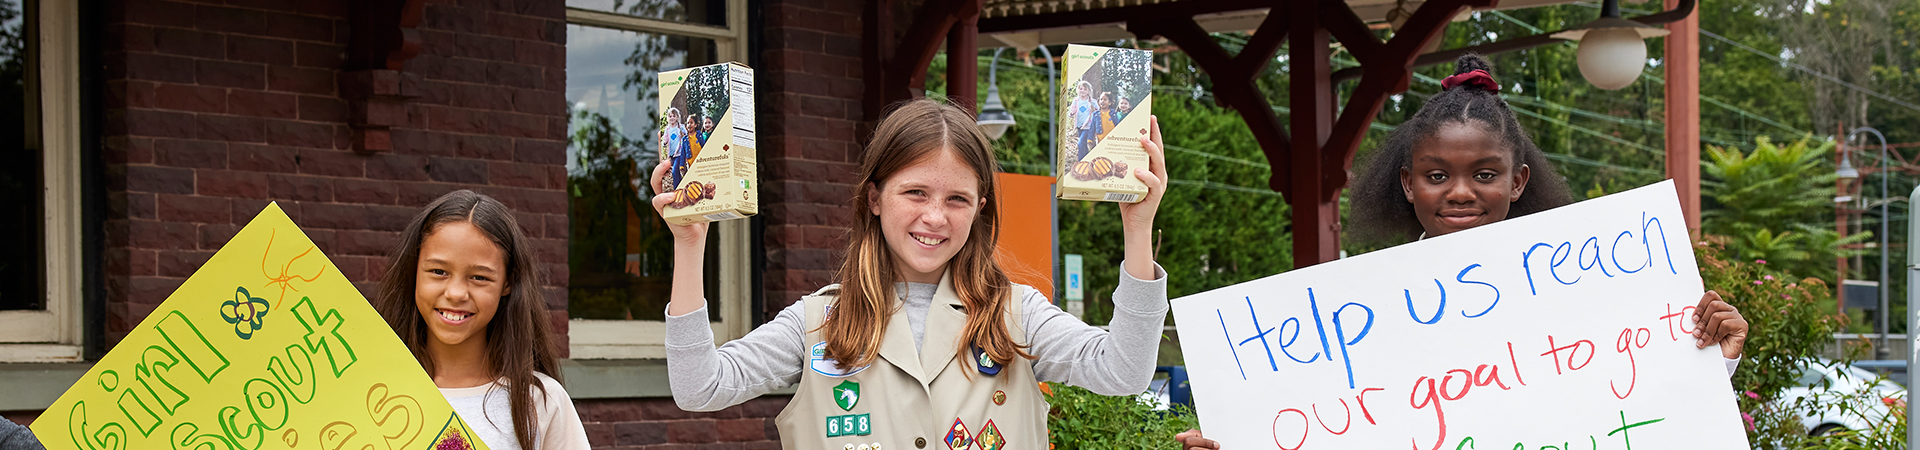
936,398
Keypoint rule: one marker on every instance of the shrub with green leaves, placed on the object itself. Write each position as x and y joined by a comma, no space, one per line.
1788,326
1081,419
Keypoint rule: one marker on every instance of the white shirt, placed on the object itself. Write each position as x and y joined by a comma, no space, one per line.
488,411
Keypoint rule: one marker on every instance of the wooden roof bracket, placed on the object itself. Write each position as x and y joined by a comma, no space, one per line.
894,73
1233,76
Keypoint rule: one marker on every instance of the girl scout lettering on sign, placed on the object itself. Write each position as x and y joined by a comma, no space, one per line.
924,342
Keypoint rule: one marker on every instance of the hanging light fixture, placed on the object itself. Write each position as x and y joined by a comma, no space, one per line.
1846,172
1611,51
994,119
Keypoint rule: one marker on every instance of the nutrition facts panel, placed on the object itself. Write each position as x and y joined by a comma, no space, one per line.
740,86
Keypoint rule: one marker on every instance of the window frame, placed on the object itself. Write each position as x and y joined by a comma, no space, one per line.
56,333
644,339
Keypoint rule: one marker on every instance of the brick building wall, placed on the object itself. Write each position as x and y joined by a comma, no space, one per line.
812,76
213,109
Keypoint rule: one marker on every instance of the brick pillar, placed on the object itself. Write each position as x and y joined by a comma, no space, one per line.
811,85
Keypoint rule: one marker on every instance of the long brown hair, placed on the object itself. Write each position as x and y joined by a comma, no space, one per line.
915,131
519,339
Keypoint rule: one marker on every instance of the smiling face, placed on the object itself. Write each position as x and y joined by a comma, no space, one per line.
1125,106
926,213
1461,178
461,277
706,123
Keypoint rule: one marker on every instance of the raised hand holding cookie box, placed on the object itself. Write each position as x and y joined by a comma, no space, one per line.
1107,110
707,138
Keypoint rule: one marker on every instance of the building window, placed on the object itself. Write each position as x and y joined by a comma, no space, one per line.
39,115
619,251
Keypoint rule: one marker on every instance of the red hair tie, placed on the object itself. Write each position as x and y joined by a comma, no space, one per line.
1476,78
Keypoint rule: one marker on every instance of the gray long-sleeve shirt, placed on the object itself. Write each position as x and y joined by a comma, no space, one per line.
1117,361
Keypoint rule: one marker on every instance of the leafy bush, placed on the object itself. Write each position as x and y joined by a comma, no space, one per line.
1788,327
1081,419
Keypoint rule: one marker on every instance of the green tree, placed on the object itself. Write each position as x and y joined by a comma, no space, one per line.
1776,204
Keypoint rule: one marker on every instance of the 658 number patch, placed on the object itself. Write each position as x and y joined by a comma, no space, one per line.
849,425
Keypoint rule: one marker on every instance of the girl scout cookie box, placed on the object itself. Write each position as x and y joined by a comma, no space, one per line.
706,135
1107,107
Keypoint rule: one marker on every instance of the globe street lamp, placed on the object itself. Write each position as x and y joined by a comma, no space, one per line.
994,119
1611,52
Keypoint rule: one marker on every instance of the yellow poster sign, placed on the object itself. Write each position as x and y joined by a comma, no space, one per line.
267,346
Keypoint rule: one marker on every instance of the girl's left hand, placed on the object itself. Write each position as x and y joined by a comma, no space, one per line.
1136,219
1717,322
1139,215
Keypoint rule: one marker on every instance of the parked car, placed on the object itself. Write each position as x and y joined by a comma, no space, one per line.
1894,369
1823,382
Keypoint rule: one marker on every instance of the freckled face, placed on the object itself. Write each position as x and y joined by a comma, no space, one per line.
1461,178
926,213
459,284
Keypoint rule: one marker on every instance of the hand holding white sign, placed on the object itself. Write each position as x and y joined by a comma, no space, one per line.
1567,328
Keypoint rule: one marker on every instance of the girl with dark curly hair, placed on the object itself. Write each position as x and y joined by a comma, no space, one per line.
1463,161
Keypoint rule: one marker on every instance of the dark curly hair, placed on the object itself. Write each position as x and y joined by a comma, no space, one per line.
1381,213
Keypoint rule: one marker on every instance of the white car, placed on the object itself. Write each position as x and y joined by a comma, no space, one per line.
1820,381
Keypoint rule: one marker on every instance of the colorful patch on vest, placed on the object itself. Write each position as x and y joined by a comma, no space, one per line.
999,397
985,362
846,394
825,366
957,438
453,436
990,437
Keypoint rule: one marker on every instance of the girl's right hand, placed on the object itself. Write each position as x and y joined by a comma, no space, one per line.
683,235
1191,440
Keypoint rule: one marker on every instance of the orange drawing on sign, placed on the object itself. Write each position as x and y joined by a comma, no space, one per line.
286,281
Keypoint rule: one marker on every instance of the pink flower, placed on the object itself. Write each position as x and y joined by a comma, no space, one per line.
1768,277
1757,282
1752,395
1760,261
1785,296
1749,418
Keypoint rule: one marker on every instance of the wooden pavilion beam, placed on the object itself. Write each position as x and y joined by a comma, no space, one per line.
1315,206
1069,19
1310,163
1233,78
893,72
1387,70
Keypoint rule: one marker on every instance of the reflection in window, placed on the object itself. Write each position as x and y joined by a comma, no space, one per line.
619,251
705,12
21,255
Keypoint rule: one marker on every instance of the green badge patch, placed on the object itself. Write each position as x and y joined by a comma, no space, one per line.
846,394
849,425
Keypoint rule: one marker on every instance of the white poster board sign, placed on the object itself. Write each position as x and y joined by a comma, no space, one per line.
1563,329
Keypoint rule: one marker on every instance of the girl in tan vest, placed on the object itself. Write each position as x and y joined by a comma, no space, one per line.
923,342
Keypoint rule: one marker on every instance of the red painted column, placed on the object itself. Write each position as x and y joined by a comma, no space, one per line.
1316,214
1682,65
963,67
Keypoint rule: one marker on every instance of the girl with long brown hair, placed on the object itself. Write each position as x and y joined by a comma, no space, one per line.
462,292
923,340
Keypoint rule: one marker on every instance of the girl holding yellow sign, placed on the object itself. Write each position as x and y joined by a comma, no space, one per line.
462,292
